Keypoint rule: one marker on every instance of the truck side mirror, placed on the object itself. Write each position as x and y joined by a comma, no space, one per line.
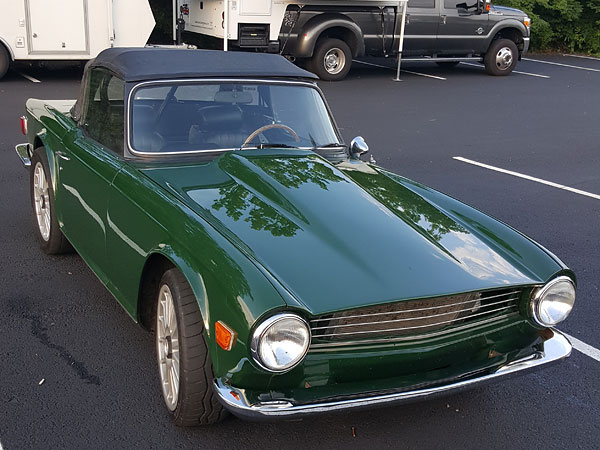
358,147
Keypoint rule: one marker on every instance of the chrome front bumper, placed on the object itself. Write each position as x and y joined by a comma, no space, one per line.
525,45
24,153
555,350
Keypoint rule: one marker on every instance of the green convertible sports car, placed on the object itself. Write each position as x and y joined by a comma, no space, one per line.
213,196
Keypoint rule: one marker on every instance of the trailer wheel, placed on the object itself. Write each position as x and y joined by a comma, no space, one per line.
4,61
501,58
331,60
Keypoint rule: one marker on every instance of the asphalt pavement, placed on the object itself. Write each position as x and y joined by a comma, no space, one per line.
76,372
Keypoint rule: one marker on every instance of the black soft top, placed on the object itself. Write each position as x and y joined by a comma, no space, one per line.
140,64
151,63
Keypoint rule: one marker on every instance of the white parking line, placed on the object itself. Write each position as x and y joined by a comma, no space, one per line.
514,71
582,56
528,177
407,71
30,78
561,64
584,348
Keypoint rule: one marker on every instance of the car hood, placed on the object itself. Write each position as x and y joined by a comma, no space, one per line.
344,236
506,11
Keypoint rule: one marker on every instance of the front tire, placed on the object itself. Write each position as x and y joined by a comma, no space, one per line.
184,364
501,58
52,240
331,60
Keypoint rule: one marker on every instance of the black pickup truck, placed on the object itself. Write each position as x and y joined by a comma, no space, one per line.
327,37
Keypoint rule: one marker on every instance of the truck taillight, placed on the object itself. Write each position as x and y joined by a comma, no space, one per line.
24,125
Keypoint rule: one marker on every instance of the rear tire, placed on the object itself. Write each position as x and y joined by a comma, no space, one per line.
4,61
331,60
501,58
185,367
52,240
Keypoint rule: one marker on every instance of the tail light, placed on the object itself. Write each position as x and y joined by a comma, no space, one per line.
24,125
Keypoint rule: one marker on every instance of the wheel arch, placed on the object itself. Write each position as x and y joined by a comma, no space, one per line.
511,29
8,48
332,25
157,263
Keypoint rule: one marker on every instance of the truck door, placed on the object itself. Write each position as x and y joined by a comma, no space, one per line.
422,20
57,26
461,30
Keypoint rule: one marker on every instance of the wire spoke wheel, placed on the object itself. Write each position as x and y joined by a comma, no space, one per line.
167,346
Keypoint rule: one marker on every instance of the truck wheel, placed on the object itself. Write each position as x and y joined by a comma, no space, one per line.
51,239
184,363
331,60
4,61
501,58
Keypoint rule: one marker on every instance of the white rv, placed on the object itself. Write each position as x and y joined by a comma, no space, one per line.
70,29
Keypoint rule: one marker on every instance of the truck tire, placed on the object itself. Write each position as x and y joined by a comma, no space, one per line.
501,58
4,61
331,60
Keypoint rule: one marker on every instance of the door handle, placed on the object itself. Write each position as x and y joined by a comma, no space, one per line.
443,20
62,155
407,19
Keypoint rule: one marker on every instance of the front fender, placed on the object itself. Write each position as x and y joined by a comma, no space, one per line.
505,25
314,28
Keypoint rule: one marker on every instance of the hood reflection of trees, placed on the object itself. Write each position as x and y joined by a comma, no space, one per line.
408,205
238,202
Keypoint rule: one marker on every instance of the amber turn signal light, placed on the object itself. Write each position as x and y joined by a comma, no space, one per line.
225,336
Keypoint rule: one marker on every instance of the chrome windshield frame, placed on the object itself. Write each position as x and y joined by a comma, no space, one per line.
129,110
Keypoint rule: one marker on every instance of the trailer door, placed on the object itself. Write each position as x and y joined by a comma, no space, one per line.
255,7
56,26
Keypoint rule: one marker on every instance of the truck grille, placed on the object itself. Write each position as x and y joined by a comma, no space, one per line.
253,35
414,319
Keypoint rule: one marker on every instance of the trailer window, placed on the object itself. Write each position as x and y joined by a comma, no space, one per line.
208,116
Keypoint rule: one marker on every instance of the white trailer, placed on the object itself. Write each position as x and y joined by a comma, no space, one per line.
70,29
324,34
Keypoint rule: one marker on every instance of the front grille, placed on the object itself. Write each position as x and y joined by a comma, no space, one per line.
413,319
253,35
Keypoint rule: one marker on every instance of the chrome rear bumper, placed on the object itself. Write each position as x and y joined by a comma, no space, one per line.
555,350
24,153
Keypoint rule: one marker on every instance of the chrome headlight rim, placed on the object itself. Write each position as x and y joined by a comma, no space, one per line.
261,330
539,295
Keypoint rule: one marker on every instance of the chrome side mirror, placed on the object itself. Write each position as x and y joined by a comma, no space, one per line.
358,147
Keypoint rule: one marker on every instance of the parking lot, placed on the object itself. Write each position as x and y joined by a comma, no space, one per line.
76,372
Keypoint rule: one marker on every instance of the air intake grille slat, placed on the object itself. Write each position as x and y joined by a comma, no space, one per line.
414,317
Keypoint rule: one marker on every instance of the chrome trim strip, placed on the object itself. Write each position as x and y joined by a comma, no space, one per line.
24,154
134,152
326,346
417,309
412,328
555,349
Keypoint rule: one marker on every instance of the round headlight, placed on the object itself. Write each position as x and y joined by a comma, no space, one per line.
553,302
280,342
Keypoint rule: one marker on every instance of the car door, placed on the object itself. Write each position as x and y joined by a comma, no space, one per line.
87,165
461,31
420,33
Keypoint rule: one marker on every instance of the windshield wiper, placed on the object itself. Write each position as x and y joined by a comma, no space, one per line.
330,145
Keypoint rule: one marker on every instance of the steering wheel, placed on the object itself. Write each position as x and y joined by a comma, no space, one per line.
268,127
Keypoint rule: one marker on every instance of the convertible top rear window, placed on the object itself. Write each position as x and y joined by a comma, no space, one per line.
203,116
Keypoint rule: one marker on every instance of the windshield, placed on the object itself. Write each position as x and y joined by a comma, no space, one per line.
207,116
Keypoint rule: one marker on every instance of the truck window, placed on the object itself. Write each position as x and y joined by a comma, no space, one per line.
451,4
104,118
421,3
